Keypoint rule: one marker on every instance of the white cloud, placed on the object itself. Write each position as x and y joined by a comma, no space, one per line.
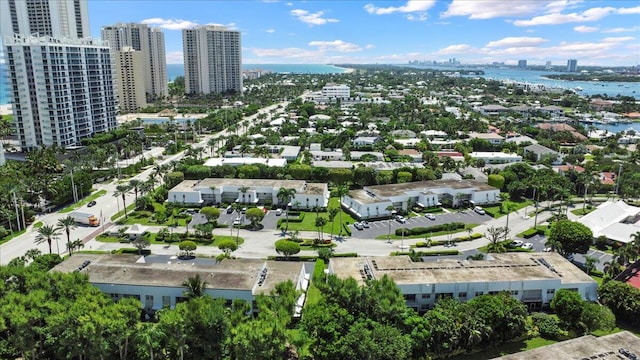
270,31
170,24
369,46
336,45
621,30
312,18
593,14
412,6
618,39
585,29
495,8
516,42
175,57
454,49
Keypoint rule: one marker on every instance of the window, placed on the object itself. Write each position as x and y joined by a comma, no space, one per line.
551,291
462,295
426,296
494,292
514,292
166,301
479,293
410,297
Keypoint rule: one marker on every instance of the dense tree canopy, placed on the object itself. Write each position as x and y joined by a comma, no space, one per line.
570,237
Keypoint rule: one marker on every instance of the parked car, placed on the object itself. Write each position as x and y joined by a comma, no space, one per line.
237,221
364,224
401,219
430,216
479,210
358,226
91,203
516,243
244,210
547,249
229,209
278,212
527,246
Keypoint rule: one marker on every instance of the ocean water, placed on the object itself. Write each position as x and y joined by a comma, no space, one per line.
175,70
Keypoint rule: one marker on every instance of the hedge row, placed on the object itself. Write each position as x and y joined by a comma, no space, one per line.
131,251
431,229
443,242
529,233
428,253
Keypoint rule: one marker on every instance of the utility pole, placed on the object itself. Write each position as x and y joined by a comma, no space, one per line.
535,221
15,204
74,191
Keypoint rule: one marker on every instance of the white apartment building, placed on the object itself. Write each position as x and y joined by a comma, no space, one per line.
150,42
492,157
3,160
372,202
212,60
156,280
130,79
55,18
61,89
532,278
334,91
249,191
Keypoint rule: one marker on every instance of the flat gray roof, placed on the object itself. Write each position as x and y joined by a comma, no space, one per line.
585,347
425,186
231,274
502,267
298,185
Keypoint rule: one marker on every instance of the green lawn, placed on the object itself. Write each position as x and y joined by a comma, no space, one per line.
83,202
580,212
309,221
37,225
495,210
11,236
121,212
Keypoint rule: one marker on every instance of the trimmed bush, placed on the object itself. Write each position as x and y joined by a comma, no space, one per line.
431,229
529,233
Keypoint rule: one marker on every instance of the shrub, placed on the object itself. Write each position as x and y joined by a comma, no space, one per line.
421,244
431,229
529,233
548,326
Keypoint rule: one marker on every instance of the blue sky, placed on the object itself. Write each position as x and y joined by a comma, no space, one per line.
472,31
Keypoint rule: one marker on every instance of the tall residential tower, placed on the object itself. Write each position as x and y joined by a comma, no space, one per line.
55,18
572,65
212,60
150,43
62,90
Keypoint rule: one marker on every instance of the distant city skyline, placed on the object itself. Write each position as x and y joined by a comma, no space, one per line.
593,32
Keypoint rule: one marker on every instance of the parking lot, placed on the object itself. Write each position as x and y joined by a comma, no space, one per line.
381,227
269,222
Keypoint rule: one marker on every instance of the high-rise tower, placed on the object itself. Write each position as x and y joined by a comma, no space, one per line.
150,43
55,18
212,60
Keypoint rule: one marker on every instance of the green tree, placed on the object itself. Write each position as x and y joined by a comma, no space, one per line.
187,247
341,192
140,243
255,215
496,180
320,222
568,305
227,246
572,237
258,339
135,184
285,195
300,171
287,248
195,286
122,190
210,212
495,235
47,233
67,224
597,317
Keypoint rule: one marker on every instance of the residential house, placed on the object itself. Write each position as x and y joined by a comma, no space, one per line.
491,137
539,152
365,141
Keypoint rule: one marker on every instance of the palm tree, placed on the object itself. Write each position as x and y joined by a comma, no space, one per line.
320,222
67,224
341,191
243,190
47,233
134,184
612,267
285,195
122,190
508,207
590,263
332,217
389,208
195,286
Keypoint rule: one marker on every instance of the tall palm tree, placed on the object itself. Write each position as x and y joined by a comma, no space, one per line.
333,211
122,190
67,224
341,191
285,195
47,233
134,184
320,222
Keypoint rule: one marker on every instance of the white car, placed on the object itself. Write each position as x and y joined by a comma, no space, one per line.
358,226
527,246
278,212
401,219
479,210
237,221
516,243
365,224
430,216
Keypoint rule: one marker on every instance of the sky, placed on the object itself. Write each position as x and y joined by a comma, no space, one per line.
603,33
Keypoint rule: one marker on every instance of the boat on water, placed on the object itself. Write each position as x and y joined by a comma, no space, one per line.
578,88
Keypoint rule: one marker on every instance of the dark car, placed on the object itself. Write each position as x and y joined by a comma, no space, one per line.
229,210
91,203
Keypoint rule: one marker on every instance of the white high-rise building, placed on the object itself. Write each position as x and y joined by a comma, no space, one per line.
212,60
148,41
56,18
62,89
130,70
572,65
